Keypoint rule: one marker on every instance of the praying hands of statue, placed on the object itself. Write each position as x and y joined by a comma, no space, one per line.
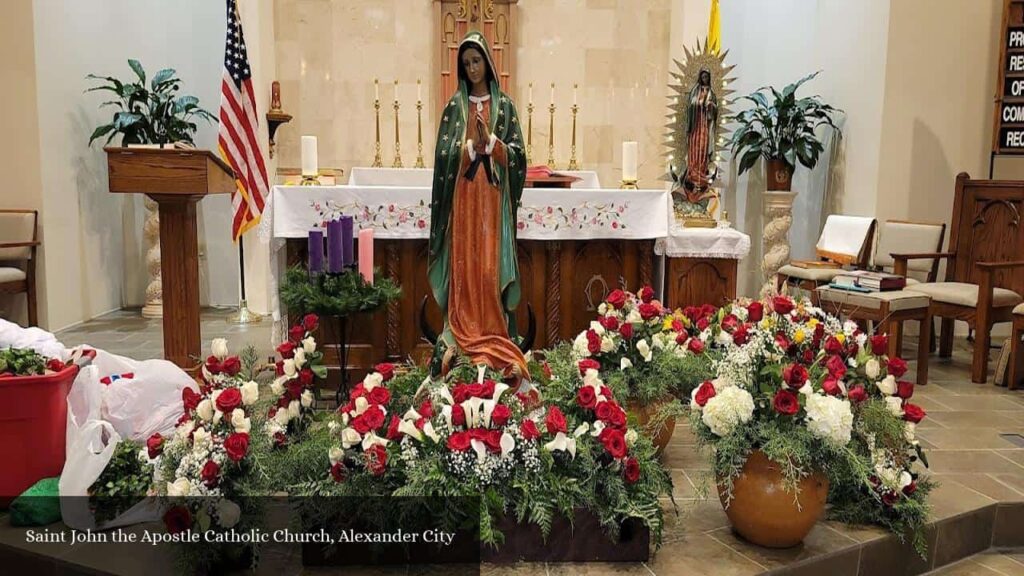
480,145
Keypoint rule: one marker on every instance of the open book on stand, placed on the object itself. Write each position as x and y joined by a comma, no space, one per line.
872,281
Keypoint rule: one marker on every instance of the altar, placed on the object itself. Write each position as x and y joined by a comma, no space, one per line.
575,246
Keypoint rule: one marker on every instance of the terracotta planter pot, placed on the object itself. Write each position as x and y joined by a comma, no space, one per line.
763,512
780,175
644,414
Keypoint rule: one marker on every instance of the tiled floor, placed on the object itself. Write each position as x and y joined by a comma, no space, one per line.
988,563
965,434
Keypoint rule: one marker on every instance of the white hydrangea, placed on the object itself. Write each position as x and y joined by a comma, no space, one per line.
829,418
727,409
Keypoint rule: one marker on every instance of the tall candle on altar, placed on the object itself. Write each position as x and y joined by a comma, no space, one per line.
309,161
334,251
629,156
347,257
366,254
316,251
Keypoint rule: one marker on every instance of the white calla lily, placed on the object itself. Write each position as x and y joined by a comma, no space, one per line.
499,389
480,371
371,439
581,430
408,427
596,429
508,443
625,363
428,431
446,413
488,408
645,350
561,442
479,448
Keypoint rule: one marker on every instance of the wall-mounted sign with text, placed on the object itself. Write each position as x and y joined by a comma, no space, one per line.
1008,134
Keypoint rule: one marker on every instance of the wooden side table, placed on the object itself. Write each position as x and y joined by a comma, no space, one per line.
889,310
697,281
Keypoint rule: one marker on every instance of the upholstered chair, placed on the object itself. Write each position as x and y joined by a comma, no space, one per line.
844,240
18,242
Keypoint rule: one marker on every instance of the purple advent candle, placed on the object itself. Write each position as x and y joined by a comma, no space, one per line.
334,251
347,241
316,251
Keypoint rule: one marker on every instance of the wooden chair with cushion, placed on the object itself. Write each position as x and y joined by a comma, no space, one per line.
983,283
1016,378
844,240
18,242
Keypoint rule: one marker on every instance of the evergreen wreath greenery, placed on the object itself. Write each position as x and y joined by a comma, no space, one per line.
341,294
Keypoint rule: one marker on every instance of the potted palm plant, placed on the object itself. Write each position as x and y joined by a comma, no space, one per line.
149,114
781,130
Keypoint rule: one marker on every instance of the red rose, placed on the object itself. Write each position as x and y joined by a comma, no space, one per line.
232,366
649,310
279,368
529,430
786,402
295,389
376,459
705,392
460,393
879,344
703,324
286,350
609,322
380,395
236,445
889,498
190,399
210,474
782,305
626,330
487,391
309,322
306,377
459,442
647,294
755,311
782,342
808,356
392,433
492,439
909,489
54,365
897,367
229,399
474,390
707,310
177,519
213,365
681,338
913,413
280,439
795,375
695,346
618,417
833,345
730,323
836,367
386,370
338,472
296,334
426,409
500,415
588,364
831,387
374,417
616,298
155,444
586,398
857,394
603,411
458,415
614,442
692,312
632,470
593,342
905,389
555,421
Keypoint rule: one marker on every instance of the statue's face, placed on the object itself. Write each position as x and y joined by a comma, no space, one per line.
474,65
705,78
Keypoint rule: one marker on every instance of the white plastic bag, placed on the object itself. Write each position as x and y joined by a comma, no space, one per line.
146,402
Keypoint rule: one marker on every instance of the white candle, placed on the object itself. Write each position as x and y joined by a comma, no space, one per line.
309,160
396,90
552,92
574,87
531,93
376,89
629,156
419,91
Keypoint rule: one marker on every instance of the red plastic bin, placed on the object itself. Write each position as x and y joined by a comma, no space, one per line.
33,423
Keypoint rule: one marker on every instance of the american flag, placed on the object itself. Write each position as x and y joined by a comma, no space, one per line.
238,121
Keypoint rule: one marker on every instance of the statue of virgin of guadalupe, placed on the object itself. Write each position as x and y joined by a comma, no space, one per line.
479,171
701,130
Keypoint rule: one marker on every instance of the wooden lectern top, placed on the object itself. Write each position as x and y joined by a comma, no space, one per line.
168,171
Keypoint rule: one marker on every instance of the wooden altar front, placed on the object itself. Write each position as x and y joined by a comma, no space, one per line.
563,281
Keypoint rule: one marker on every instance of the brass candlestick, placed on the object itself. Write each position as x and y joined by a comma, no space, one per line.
529,127
419,135
572,158
551,133
398,142
377,161
628,185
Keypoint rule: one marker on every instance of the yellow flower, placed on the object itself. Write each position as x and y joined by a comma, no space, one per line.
798,336
812,322
667,324
841,337
766,323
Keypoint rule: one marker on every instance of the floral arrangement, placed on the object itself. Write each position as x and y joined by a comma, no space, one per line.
26,362
209,452
300,365
472,434
813,394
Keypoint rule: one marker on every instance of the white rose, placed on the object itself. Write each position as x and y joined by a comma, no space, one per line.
607,344
300,358
596,327
294,409
250,393
602,309
626,363
228,513
910,432
872,368
179,487
724,338
634,317
829,418
888,385
895,405
184,430
350,438
372,380
205,410
219,348
309,345
282,417
645,350
580,347
277,386
289,367
631,437
806,389
201,440
335,454
307,398
239,421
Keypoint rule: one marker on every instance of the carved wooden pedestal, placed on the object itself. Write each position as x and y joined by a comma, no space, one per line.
696,281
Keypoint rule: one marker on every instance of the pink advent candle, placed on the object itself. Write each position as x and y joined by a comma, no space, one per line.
366,254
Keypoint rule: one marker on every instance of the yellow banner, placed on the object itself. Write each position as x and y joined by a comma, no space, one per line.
715,29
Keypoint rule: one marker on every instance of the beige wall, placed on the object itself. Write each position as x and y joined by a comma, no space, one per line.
19,147
329,52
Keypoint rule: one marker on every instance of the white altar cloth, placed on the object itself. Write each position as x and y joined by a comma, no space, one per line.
360,176
703,243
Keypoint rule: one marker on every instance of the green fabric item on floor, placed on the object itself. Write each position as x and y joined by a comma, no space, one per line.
37,506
